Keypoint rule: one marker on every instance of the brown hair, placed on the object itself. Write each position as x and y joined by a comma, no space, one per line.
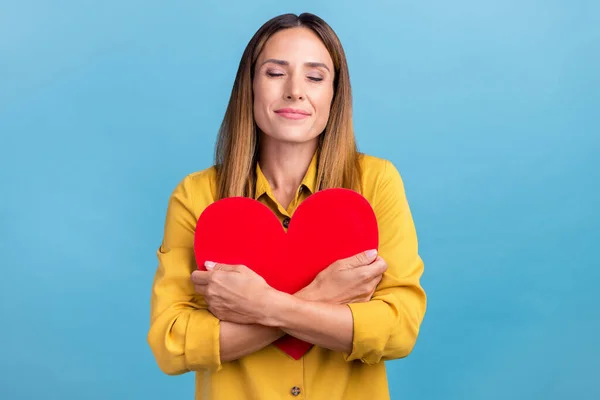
236,152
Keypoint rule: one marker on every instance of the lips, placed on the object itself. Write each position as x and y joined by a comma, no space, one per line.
292,113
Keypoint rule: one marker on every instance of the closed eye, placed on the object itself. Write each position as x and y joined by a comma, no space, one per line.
312,78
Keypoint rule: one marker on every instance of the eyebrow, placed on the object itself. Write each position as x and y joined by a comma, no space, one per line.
286,63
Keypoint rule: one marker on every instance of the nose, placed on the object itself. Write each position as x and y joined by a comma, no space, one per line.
294,88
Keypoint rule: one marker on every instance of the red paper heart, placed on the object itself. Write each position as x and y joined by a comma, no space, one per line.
329,225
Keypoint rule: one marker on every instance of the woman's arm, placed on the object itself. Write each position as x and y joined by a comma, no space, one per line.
386,327
317,314
184,335
344,282
325,325
239,340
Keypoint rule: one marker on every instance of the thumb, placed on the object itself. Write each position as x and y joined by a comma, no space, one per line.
213,266
361,259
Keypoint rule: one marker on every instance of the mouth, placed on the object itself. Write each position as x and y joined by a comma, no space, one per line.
292,113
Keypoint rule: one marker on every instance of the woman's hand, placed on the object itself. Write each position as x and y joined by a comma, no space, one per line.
346,281
233,293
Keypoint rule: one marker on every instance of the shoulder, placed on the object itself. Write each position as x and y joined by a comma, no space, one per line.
370,162
203,179
197,189
382,185
378,172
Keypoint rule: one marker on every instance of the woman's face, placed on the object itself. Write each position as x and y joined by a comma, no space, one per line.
293,86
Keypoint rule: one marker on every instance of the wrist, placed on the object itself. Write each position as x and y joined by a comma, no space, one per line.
307,293
281,307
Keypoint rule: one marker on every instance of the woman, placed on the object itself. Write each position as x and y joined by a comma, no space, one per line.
287,133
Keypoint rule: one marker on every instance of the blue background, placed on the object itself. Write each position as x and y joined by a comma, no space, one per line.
490,110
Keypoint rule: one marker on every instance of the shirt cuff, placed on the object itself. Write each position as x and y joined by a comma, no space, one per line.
372,326
202,341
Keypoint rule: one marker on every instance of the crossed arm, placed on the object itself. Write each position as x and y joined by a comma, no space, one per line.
253,315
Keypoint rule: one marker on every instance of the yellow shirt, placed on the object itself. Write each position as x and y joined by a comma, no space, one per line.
184,335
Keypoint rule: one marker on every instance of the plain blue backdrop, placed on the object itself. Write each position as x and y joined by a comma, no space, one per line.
489,109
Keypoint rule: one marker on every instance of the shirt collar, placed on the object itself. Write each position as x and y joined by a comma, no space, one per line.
309,181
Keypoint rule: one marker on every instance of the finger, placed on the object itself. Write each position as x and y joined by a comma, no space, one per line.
201,289
200,277
380,265
371,286
372,293
212,266
360,259
368,272
375,282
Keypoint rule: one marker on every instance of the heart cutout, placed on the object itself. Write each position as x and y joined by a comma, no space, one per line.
329,225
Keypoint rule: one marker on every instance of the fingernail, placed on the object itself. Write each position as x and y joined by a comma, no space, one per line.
209,265
371,253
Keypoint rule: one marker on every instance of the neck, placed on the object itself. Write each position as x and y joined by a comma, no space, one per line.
285,164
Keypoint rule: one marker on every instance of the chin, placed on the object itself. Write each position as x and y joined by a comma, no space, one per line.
291,136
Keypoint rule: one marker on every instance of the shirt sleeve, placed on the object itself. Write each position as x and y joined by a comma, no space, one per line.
183,334
387,327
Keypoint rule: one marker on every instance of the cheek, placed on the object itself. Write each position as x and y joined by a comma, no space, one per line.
264,95
260,105
323,104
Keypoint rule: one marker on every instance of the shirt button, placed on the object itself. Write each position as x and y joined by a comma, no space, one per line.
286,222
295,391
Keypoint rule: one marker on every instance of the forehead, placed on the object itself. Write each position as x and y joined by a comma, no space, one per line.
296,45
